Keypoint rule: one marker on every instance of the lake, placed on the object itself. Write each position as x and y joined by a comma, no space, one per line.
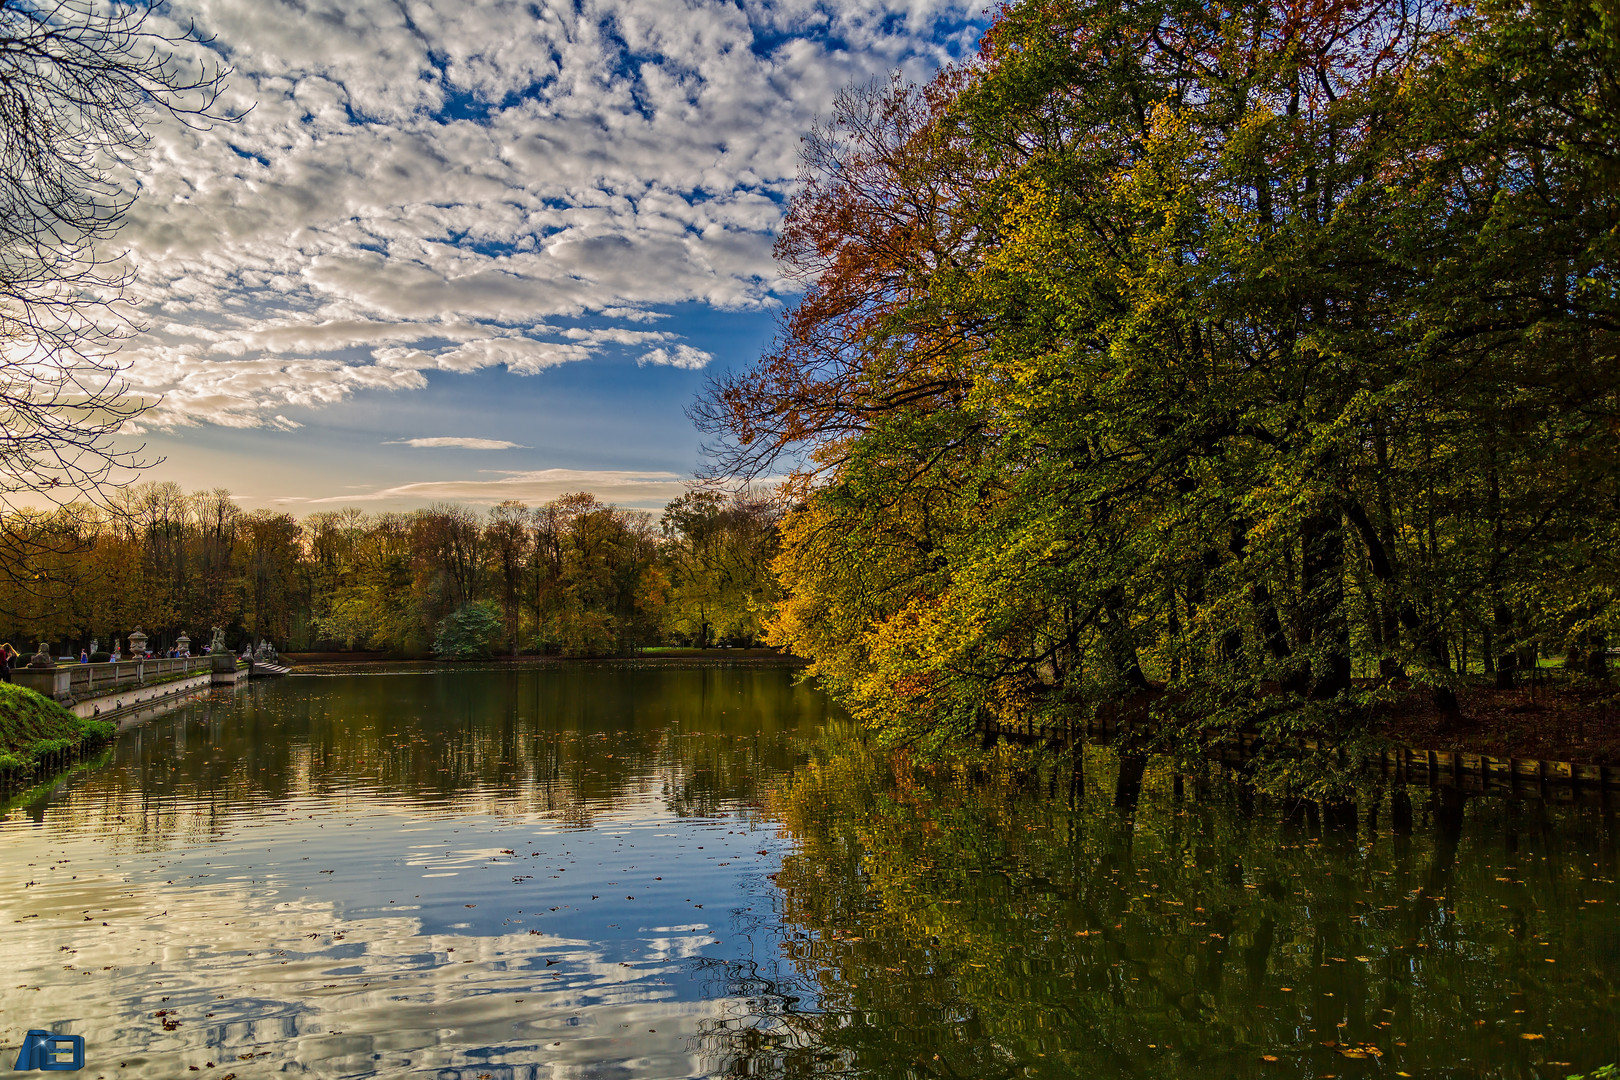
679,871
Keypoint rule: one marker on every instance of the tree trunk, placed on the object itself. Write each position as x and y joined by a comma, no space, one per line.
1389,665
1597,658
1121,648
1325,624
1507,656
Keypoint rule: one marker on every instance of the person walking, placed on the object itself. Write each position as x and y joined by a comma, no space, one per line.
7,655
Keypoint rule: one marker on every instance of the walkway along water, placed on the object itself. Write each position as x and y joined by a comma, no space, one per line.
104,690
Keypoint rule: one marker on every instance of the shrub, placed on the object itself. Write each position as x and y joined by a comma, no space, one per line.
468,633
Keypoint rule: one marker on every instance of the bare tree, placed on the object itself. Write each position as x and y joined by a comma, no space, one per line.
81,82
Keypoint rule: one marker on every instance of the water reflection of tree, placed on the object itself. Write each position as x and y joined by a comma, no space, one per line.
933,928
569,743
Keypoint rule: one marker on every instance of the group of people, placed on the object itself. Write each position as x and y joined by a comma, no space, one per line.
9,657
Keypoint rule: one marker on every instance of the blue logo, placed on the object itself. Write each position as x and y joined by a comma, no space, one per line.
52,1053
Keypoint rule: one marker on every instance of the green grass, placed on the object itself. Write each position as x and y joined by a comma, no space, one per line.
32,726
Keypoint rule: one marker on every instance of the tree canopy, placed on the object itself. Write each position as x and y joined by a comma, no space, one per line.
1241,359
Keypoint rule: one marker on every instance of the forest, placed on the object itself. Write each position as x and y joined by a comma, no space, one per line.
570,578
1242,364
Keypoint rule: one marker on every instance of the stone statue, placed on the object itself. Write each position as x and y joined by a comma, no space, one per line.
95,647
218,644
42,658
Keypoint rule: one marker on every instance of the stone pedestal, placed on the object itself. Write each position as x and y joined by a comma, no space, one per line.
222,669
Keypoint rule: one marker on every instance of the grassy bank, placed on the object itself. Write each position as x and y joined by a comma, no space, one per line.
35,728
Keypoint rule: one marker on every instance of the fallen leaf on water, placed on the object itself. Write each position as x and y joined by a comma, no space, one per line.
1529,1035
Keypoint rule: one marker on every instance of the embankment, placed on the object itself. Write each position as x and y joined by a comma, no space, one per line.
38,736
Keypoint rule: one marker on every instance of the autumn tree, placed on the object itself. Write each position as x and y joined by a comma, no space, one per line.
717,553
508,540
1199,359
269,551
608,593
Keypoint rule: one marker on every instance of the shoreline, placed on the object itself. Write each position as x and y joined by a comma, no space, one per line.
39,738
334,663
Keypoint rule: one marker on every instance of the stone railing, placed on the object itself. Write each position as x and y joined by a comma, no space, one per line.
75,682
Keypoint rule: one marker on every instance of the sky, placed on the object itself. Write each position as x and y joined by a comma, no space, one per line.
474,251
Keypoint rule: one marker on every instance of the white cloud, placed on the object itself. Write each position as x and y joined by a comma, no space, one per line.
456,442
619,488
684,357
433,186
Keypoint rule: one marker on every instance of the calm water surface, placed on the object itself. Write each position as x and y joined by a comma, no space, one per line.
669,872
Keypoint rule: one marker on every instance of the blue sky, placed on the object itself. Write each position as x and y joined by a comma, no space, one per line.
517,235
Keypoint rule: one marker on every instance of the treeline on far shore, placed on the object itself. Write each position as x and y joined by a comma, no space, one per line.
573,577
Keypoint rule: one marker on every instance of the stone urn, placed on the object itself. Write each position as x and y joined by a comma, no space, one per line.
43,658
183,643
137,643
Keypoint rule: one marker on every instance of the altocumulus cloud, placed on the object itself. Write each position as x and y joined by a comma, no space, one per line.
443,186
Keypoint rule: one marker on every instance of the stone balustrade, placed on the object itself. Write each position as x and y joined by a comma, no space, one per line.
75,682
